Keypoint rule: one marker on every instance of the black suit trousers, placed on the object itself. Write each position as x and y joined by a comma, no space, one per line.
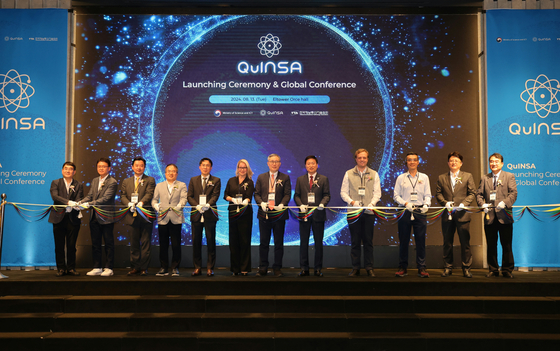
506,236
210,229
65,236
240,230
304,234
167,231
448,229
100,232
140,244
277,229
361,232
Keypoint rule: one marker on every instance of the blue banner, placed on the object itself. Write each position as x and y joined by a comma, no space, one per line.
33,103
523,47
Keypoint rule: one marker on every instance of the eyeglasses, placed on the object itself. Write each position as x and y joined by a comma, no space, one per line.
170,172
241,167
274,162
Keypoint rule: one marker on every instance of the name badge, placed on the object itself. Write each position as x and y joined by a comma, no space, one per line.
492,196
239,197
134,198
310,198
271,197
202,199
413,197
362,191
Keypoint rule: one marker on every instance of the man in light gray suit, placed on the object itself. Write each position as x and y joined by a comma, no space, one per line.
496,193
102,193
456,190
169,199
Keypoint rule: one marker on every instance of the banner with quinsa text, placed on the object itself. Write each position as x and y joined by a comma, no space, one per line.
33,91
523,47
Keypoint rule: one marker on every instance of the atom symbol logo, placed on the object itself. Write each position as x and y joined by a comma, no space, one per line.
269,45
540,96
15,91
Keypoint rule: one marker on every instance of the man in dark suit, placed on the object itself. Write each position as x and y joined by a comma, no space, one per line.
66,191
102,193
312,190
138,191
496,193
203,193
456,190
272,193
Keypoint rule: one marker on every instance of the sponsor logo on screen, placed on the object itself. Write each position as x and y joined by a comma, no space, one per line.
269,46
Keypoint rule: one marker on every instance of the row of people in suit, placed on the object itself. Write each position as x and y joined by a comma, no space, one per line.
360,188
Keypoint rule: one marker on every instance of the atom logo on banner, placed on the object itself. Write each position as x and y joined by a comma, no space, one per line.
540,96
15,90
269,45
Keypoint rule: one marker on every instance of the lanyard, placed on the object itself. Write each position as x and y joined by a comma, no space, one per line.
413,185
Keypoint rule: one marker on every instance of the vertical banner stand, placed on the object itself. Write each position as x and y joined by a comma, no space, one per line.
2,211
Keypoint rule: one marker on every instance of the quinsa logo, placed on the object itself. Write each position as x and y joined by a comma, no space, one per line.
15,91
269,45
540,96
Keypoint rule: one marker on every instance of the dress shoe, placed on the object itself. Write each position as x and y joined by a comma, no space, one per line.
262,272
234,274
144,273
318,273
133,272
467,273
370,273
107,272
447,272
175,272
303,273
402,272
95,271
162,272
278,273
196,272
355,272
492,274
73,273
209,273
244,274
422,273
507,275
60,273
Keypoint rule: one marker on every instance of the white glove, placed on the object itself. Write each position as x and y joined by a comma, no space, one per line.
371,206
424,209
234,200
156,207
178,208
206,207
279,207
199,208
264,206
449,205
409,206
72,203
245,202
131,204
485,207
303,208
321,207
68,209
501,206
85,205
140,204
461,207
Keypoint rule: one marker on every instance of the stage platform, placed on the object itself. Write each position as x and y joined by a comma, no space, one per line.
39,311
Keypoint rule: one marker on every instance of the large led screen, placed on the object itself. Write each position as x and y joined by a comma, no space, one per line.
175,89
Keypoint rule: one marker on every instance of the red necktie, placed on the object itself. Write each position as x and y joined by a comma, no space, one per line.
310,183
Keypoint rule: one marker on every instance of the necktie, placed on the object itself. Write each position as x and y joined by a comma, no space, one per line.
310,183
495,181
135,190
204,185
271,190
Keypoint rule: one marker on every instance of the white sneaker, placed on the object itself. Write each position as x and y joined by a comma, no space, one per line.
107,272
95,271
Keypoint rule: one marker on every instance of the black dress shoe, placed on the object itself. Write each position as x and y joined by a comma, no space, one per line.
467,273
278,273
447,272
303,273
507,275
262,272
144,273
492,274
133,272
196,272
318,273
234,274
354,273
73,273
370,273
244,274
209,273
60,273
